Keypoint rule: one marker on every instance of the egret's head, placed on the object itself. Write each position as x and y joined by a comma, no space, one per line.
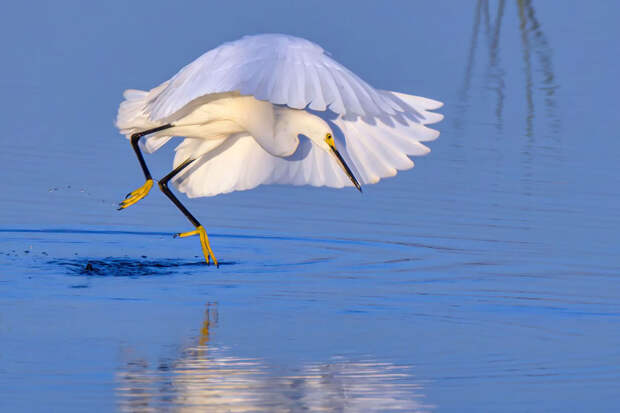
301,122
330,146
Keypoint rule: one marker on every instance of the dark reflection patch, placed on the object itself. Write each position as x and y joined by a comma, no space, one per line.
128,267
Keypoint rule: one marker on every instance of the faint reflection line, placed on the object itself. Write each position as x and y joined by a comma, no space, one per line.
529,119
536,53
494,43
487,22
494,70
464,94
543,52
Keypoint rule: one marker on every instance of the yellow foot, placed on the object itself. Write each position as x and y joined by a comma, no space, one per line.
136,195
204,242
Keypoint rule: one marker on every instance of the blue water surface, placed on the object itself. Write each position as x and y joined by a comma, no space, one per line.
485,279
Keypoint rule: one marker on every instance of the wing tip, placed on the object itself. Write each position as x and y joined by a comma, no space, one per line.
433,117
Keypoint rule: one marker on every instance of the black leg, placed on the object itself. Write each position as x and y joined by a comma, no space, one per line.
204,240
134,143
141,192
163,185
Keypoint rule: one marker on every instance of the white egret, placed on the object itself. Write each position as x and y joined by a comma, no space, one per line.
272,109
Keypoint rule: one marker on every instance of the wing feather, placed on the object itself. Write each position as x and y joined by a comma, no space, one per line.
314,93
330,90
374,148
277,68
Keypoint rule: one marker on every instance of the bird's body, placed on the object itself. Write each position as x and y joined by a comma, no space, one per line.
226,114
274,109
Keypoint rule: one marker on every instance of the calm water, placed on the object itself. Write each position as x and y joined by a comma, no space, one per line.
485,279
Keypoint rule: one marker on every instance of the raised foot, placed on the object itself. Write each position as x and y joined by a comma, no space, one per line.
204,242
136,195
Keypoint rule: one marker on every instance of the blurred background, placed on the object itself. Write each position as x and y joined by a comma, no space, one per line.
485,279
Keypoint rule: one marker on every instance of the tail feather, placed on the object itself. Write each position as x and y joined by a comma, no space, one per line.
132,117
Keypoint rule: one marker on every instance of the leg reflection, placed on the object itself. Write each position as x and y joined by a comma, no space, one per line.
211,318
209,376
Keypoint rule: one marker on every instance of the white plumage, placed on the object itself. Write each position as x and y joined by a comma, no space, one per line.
284,70
237,107
272,109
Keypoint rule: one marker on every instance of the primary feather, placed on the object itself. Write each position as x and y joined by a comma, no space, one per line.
375,130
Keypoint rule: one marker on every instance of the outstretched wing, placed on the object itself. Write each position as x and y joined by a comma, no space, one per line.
374,148
277,68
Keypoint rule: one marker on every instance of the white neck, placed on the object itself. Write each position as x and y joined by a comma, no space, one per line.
294,122
275,128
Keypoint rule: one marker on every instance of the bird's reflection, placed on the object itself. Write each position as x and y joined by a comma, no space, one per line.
536,55
207,377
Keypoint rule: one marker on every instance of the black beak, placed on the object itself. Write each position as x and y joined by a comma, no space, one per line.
346,168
